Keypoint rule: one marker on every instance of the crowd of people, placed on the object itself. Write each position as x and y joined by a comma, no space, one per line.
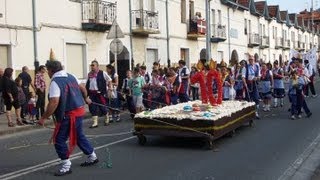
15,93
265,84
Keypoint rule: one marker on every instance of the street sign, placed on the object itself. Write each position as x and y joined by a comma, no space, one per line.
116,46
115,31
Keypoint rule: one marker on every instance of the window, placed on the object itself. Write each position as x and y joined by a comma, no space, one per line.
273,32
184,55
245,26
149,5
191,9
264,30
219,17
183,11
75,52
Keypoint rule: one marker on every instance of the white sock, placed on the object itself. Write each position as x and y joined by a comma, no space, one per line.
93,156
65,165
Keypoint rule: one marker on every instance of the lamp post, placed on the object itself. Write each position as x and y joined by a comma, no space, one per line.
34,30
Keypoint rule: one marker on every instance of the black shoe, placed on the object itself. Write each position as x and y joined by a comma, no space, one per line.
25,122
87,163
309,114
59,173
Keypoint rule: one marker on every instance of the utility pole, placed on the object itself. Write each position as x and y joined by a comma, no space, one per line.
208,31
34,30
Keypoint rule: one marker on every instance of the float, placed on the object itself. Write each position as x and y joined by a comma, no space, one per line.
209,118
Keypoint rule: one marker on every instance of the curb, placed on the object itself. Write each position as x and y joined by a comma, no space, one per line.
18,129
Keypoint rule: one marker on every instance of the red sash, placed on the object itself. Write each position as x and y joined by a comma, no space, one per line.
72,133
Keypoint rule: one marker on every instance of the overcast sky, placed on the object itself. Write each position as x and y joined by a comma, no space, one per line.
293,6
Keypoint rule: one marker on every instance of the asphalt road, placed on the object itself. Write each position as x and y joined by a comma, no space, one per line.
262,152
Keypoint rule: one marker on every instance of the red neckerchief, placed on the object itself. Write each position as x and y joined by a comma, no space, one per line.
93,74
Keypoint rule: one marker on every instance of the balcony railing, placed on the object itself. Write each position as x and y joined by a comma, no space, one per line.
254,40
279,43
145,22
286,44
197,28
264,42
98,15
219,33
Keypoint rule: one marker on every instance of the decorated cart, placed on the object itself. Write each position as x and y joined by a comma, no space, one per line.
194,119
209,118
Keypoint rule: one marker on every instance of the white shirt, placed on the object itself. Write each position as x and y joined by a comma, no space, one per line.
54,90
93,85
187,71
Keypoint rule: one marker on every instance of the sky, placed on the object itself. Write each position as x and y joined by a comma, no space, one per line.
293,6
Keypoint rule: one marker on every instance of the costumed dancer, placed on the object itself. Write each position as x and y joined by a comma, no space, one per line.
239,82
184,74
250,78
266,86
279,89
96,86
68,110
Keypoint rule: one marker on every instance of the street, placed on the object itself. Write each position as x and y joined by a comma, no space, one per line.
264,151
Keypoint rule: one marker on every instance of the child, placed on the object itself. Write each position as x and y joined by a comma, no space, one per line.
21,95
156,90
136,84
127,93
32,107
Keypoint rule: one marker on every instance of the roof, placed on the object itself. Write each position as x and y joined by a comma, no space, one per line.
273,10
245,3
283,15
260,5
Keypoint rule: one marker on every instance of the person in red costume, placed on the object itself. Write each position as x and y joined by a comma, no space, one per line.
205,78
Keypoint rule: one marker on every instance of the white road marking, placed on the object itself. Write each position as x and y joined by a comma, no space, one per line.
293,168
54,162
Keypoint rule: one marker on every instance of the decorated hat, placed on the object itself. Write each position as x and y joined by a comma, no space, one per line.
52,56
212,64
200,65
223,64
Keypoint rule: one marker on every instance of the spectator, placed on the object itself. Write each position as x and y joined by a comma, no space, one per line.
32,111
184,74
21,95
26,82
10,96
194,87
40,86
310,74
1,92
128,95
136,84
113,94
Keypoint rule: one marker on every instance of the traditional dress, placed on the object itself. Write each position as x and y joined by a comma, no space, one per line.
279,89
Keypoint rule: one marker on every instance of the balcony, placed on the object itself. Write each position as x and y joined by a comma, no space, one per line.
145,22
279,43
254,40
264,42
286,44
98,15
197,29
218,33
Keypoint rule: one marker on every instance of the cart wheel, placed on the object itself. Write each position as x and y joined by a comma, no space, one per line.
232,133
142,140
251,123
209,144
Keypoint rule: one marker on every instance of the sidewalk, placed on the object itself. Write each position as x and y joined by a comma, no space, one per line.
5,130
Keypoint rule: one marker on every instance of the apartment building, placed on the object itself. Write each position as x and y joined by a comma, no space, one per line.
154,30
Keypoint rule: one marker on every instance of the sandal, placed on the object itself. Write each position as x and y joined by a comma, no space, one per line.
10,124
19,123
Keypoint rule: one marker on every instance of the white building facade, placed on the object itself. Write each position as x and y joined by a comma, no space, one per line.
154,30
